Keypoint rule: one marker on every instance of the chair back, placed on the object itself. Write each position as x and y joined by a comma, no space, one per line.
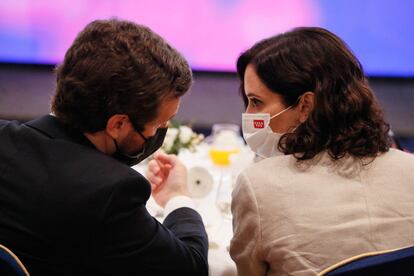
10,263
390,262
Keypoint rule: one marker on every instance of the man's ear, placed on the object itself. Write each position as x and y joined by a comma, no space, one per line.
306,105
116,125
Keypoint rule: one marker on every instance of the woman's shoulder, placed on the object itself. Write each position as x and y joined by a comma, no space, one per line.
395,158
271,164
269,170
399,154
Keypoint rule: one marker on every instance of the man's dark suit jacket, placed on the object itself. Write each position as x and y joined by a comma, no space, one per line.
68,209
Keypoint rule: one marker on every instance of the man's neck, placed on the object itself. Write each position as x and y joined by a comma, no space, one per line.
101,141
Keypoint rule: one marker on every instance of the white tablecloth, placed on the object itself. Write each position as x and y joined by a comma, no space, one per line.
218,223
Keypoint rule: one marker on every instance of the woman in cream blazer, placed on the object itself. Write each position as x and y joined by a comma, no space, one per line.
328,187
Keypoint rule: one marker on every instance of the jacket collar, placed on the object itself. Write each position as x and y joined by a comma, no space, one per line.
51,126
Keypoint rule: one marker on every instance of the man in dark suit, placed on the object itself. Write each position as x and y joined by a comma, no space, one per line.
69,202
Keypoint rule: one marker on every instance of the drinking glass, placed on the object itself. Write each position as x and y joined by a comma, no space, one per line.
225,142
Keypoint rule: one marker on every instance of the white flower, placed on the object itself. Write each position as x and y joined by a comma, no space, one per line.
170,137
179,137
172,133
186,134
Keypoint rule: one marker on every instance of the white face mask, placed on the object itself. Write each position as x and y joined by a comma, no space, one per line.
258,134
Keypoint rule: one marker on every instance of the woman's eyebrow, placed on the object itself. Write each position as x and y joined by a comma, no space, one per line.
252,94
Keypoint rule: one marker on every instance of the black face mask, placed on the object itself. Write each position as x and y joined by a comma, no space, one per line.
151,145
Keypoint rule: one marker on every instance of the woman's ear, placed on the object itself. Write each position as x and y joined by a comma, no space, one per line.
116,125
306,105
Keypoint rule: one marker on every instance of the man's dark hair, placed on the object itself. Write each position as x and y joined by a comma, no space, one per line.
117,67
346,119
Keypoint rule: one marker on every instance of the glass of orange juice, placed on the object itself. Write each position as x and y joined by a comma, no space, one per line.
221,156
225,142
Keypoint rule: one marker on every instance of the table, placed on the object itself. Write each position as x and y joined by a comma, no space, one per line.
217,220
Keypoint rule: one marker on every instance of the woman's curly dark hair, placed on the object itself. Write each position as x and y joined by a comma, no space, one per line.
346,118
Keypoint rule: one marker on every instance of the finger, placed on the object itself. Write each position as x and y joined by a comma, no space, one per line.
153,166
158,153
153,187
164,170
166,158
150,173
154,179
157,187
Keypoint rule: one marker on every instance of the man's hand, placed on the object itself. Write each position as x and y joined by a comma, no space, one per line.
168,177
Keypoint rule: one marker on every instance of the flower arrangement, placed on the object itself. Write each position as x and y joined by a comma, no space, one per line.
180,137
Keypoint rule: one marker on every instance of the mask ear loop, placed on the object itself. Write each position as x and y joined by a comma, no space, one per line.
117,146
281,112
139,132
286,109
142,135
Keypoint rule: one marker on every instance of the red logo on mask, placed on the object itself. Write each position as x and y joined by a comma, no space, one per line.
258,123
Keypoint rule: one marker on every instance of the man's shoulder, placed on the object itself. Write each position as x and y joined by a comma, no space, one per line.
4,122
64,156
9,125
11,133
90,162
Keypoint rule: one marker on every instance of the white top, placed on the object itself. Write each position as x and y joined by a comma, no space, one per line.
298,220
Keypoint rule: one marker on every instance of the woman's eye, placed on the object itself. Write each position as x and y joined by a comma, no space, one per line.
254,102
